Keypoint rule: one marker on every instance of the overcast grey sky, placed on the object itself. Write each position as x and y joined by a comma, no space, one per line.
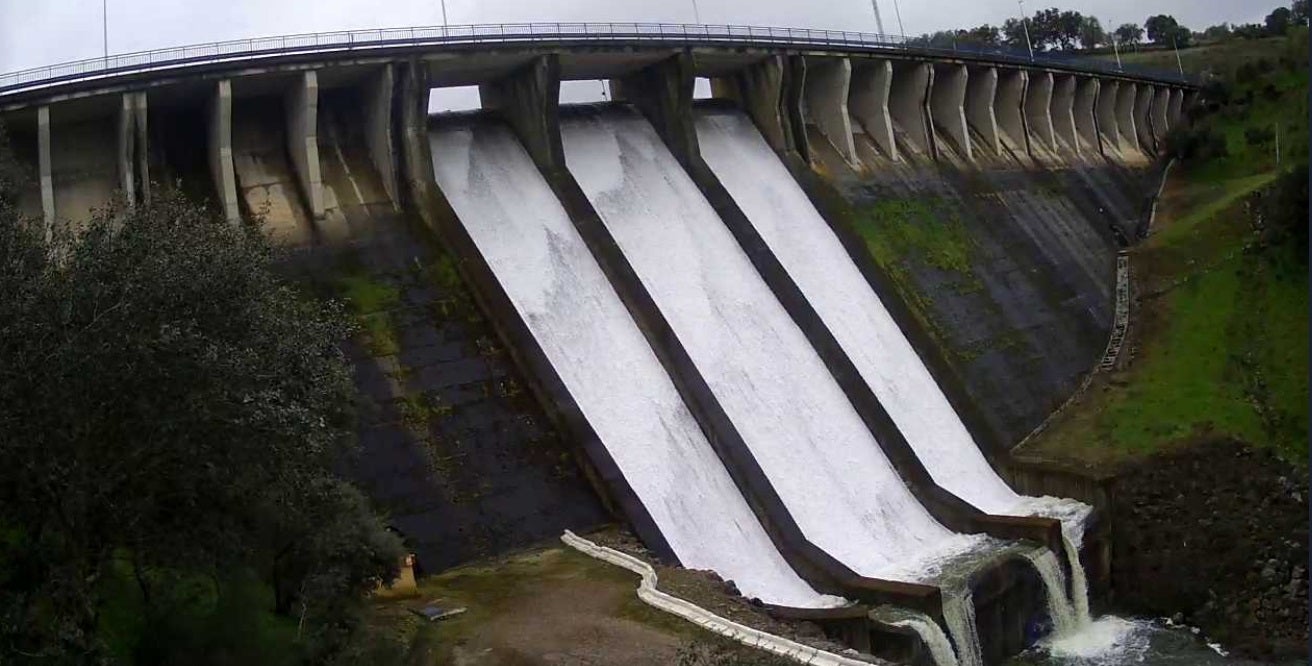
41,32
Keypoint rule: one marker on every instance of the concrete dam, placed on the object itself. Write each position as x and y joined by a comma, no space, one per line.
681,314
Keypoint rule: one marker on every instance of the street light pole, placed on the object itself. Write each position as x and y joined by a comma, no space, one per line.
901,28
1116,48
104,15
879,21
444,24
696,14
1024,22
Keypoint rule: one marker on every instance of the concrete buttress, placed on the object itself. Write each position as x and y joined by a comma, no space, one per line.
825,93
1175,106
947,105
908,104
220,150
1129,136
1086,125
981,93
1105,112
1038,109
523,99
1063,112
759,90
140,126
1009,105
126,147
1157,115
302,108
1143,102
45,169
868,102
378,129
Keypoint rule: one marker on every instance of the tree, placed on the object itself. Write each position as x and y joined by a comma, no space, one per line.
1278,21
984,35
1298,14
1013,34
1161,28
1129,34
171,412
1091,33
1069,26
1248,31
1217,33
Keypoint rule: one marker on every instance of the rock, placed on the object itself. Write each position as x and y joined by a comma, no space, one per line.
1178,618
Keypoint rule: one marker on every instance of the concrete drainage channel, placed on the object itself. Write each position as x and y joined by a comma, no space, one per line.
748,636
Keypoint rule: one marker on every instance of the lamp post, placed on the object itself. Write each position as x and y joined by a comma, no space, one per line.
696,14
879,21
900,28
104,16
444,24
1024,22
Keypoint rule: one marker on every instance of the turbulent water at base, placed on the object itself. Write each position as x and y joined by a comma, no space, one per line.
959,614
1079,583
930,633
1060,608
542,263
816,260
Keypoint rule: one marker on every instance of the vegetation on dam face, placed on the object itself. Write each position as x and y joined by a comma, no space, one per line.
1220,333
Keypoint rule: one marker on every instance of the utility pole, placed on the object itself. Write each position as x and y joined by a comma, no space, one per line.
696,15
104,15
1117,49
1024,22
879,22
444,24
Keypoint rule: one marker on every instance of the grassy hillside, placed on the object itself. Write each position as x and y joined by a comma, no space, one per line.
1218,57
1221,327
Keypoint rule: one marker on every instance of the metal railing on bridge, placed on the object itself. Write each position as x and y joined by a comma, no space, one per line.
350,41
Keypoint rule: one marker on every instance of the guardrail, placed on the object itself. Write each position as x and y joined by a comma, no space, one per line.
457,35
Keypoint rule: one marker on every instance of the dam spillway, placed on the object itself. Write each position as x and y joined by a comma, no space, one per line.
811,444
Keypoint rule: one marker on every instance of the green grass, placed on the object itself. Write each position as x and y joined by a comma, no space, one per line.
371,301
1213,57
927,228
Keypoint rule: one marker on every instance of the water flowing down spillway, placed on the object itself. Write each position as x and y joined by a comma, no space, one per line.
817,261
572,311
811,444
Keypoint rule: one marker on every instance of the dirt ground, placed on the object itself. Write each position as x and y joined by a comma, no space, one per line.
549,605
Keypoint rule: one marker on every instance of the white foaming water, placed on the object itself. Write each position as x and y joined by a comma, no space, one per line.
813,256
1060,608
812,445
931,634
1079,583
1109,640
959,614
605,362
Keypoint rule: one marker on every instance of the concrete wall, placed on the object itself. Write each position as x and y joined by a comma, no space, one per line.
1008,107
908,104
824,102
1038,110
268,182
523,99
1104,112
1063,112
301,104
378,129
220,150
1125,117
947,105
868,102
981,93
85,163
1086,124
1158,113
1143,102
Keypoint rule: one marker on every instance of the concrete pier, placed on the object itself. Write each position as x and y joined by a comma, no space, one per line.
908,103
1129,136
220,150
759,90
824,102
127,144
1038,109
868,103
1157,114
1086,123
947,105
141,128
1009,105
524,100
981,93
45,169
302,107
1175,108
1143,102
378,129
1105,112
1063,112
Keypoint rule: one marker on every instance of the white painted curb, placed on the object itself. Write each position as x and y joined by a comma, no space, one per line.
756,638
